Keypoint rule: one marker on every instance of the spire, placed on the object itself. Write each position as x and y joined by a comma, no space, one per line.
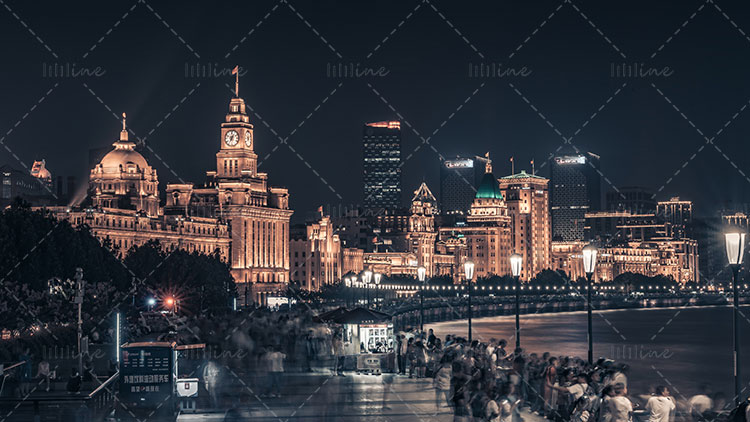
124,132
488,164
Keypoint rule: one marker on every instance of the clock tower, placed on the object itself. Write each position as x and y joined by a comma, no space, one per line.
236,157
257,214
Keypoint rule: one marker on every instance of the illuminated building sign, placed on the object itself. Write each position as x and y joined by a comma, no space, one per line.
570,159
393,124
459,164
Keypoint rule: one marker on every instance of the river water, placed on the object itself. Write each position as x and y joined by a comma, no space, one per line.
682,347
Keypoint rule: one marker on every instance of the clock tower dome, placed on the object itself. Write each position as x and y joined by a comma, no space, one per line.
236,157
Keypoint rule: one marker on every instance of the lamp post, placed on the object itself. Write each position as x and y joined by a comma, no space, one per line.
80,286
366,277
735,245
469,273
377,277
421,273
589,263
516,261
348,284
353,292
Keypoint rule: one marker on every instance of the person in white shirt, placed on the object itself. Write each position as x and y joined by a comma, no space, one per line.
620,407
442,384
578,389
700,403
501,409
660,406
275,362
211,374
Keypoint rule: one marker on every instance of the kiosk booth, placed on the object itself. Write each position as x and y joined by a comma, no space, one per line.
367,336
149,383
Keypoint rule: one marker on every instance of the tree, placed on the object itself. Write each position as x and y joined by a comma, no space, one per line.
35,248
199,282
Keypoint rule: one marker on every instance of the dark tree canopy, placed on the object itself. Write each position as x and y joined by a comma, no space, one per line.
35,248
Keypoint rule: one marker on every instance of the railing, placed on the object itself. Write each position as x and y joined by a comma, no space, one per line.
454,308
103,396
3,374
94,406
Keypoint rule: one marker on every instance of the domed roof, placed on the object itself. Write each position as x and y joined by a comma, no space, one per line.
123,156
489,188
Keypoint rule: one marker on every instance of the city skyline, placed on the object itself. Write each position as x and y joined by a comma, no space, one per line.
472,114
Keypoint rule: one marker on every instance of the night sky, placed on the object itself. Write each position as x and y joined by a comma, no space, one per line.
644,128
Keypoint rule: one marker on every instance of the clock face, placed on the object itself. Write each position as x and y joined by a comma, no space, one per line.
248,139
231,138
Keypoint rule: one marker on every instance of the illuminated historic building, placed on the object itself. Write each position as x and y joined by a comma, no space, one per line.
318,256
527,199
34,187
258,214
392,263
123,229
124,208
487,232
405,239
234,207
673,258
124,180
421,234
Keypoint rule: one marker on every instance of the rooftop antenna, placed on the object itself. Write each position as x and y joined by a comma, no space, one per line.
533,171
512,166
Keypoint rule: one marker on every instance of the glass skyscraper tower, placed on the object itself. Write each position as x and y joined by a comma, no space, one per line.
381,147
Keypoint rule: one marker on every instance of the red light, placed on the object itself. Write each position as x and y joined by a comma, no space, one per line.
170,301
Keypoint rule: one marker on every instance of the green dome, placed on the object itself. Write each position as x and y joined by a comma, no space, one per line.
489,188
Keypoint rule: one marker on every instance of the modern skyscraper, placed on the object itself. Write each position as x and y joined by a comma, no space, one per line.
632,199
381,147
575,189
527,198
458,178
677,215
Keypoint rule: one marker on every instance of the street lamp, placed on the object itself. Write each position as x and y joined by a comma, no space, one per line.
377,277
353,292
151,302
734,241
589,263
516,261
421,273
469,273
366,277
348,284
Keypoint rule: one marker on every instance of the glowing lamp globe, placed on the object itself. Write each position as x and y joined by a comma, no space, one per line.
516,262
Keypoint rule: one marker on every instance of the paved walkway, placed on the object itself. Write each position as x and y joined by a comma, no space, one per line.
321,397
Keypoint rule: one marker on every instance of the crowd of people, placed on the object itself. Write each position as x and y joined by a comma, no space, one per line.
475,380
485,381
